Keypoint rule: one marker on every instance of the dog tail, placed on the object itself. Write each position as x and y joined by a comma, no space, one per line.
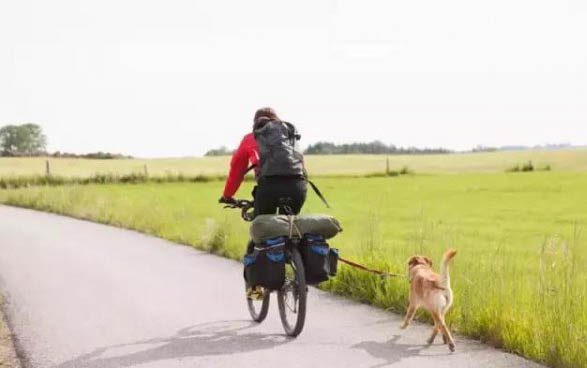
448,255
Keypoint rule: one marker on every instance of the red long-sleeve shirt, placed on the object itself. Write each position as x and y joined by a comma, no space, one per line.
247,152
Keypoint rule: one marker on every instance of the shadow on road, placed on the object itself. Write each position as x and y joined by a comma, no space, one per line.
391,351
214,338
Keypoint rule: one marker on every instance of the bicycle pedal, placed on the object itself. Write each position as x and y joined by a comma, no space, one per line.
256,293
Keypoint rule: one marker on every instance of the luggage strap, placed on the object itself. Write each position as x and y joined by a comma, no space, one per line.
249,169
292,226
365,268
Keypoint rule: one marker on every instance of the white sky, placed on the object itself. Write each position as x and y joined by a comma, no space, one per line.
176,78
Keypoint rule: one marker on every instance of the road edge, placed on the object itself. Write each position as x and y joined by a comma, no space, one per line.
8,356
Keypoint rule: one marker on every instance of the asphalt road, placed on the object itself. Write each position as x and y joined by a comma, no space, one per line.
86,295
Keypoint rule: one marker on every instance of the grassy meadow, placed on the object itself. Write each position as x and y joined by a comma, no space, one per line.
519,277
565,159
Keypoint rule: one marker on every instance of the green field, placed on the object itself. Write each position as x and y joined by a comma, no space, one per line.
567,159
519,278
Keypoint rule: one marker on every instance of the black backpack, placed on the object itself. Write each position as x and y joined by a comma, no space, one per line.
279,153
278,149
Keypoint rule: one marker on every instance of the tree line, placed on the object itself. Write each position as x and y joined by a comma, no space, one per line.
328,148
375,148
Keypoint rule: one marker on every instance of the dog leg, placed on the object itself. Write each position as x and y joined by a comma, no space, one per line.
434,333
409,316
444,310
445,331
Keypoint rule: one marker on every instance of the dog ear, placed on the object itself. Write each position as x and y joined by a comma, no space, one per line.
413,260
428,260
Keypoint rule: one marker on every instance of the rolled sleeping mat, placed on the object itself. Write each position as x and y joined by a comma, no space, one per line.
270,226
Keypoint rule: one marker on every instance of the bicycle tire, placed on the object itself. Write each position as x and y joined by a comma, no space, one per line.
297,288
258,309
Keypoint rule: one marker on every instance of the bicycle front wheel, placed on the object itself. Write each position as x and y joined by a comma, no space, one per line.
292,296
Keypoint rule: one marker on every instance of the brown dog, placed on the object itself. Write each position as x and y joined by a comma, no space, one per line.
431,291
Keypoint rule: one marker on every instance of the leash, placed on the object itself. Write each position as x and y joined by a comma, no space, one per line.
317,191
365,268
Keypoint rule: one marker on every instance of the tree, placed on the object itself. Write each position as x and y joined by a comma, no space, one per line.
22,140
222,151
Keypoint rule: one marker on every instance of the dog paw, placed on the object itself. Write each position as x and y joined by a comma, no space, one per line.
444,339
430,341
451,347
404,326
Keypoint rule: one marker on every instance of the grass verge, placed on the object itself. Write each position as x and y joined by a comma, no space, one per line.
14,182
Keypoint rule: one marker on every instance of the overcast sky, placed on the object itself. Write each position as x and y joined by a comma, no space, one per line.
176,78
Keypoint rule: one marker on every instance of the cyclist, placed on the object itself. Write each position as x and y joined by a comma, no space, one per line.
279,169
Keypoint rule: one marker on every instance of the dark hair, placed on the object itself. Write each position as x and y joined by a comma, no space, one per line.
264,115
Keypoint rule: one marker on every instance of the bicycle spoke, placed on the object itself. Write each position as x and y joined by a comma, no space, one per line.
292,297
289,298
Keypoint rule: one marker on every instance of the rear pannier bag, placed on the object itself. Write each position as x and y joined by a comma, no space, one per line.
315,250
266,265
269,226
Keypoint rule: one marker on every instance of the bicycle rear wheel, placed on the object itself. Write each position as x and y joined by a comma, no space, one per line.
291,298
258,308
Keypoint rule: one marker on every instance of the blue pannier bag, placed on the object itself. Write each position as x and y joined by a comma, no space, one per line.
265,266
315,255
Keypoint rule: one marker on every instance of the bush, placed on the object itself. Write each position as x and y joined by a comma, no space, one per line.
527,167
521,168
405,170
222,151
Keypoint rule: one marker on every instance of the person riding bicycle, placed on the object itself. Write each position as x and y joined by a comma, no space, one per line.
279,167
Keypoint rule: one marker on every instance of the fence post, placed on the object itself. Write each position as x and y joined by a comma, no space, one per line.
146,171
47,168
387,165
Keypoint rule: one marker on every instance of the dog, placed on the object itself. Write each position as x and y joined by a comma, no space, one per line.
431,291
